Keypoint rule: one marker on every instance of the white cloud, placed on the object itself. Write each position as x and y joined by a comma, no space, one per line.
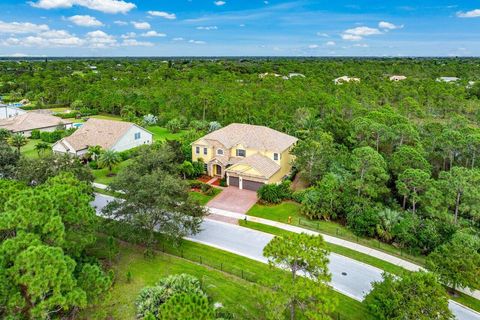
196,42
321,34
120,23
207,28
100,39
50,38
85,21
128,35
153,34
178,39
330,43
163,14
313,46
356,34
21,27
469,14
219,3
135,43
141,25
388,26
361,45
106,6
242,25
351,37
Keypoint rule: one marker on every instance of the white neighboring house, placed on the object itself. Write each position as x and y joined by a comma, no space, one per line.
29,121
447,79
8,111
397,78
344,79
108,134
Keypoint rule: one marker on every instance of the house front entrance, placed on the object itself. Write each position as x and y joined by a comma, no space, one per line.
217,170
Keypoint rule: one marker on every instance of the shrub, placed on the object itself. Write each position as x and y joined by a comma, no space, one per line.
198,168
274,193
93,165
206,188
223,182
363,222
151,298
149,120
52,137
195,184
35,134
299,195
214,125
174,126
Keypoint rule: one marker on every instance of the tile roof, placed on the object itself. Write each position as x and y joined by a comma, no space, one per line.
31,121
98,132
252,137
264,165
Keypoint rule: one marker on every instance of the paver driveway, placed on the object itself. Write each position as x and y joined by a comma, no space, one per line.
234,199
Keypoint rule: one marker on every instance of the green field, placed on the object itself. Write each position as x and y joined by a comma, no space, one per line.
102,175
161,134
284,210
29,151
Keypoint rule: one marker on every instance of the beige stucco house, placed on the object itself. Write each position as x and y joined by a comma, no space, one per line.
248,156
108,134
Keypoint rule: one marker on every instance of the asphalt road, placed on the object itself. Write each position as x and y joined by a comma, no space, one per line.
349,276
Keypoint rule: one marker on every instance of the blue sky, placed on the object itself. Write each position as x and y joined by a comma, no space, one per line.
239,28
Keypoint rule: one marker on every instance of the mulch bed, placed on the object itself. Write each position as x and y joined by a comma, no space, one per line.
204,178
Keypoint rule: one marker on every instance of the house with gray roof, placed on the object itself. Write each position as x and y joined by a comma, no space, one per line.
248,156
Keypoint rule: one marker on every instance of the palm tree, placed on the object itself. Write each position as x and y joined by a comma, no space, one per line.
109,159
17,140
41,147
94,152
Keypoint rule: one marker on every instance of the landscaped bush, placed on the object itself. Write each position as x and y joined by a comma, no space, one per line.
223,182
299,195
195,184
206,189
93,165
128,154
52,137
35,134
274,193
67,115
151,298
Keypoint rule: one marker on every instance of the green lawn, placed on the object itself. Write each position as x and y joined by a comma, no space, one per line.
161,134
391,268
228,278
101,175
29,151
203,199
284,210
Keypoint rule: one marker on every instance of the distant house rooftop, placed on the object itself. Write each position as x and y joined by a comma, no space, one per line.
31,121
397,78
98,132
343,79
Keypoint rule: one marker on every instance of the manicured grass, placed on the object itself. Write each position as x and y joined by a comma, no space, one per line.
227,278
468,301
106,116
29,151
283,211
202,198
161,134
383,265
101,175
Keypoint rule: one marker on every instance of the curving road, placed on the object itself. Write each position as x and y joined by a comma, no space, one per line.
349,276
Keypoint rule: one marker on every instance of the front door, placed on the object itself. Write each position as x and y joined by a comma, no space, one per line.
218,170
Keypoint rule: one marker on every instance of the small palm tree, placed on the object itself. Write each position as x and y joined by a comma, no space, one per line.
109,159
187,169
41,148
17,140
94,152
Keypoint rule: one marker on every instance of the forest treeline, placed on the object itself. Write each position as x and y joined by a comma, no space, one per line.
392,160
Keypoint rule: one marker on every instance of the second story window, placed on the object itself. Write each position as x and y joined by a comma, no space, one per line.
220,152
205,151
241,153
275,156
137,135
197,150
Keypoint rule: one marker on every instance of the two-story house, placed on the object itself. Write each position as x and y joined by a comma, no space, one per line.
248,156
